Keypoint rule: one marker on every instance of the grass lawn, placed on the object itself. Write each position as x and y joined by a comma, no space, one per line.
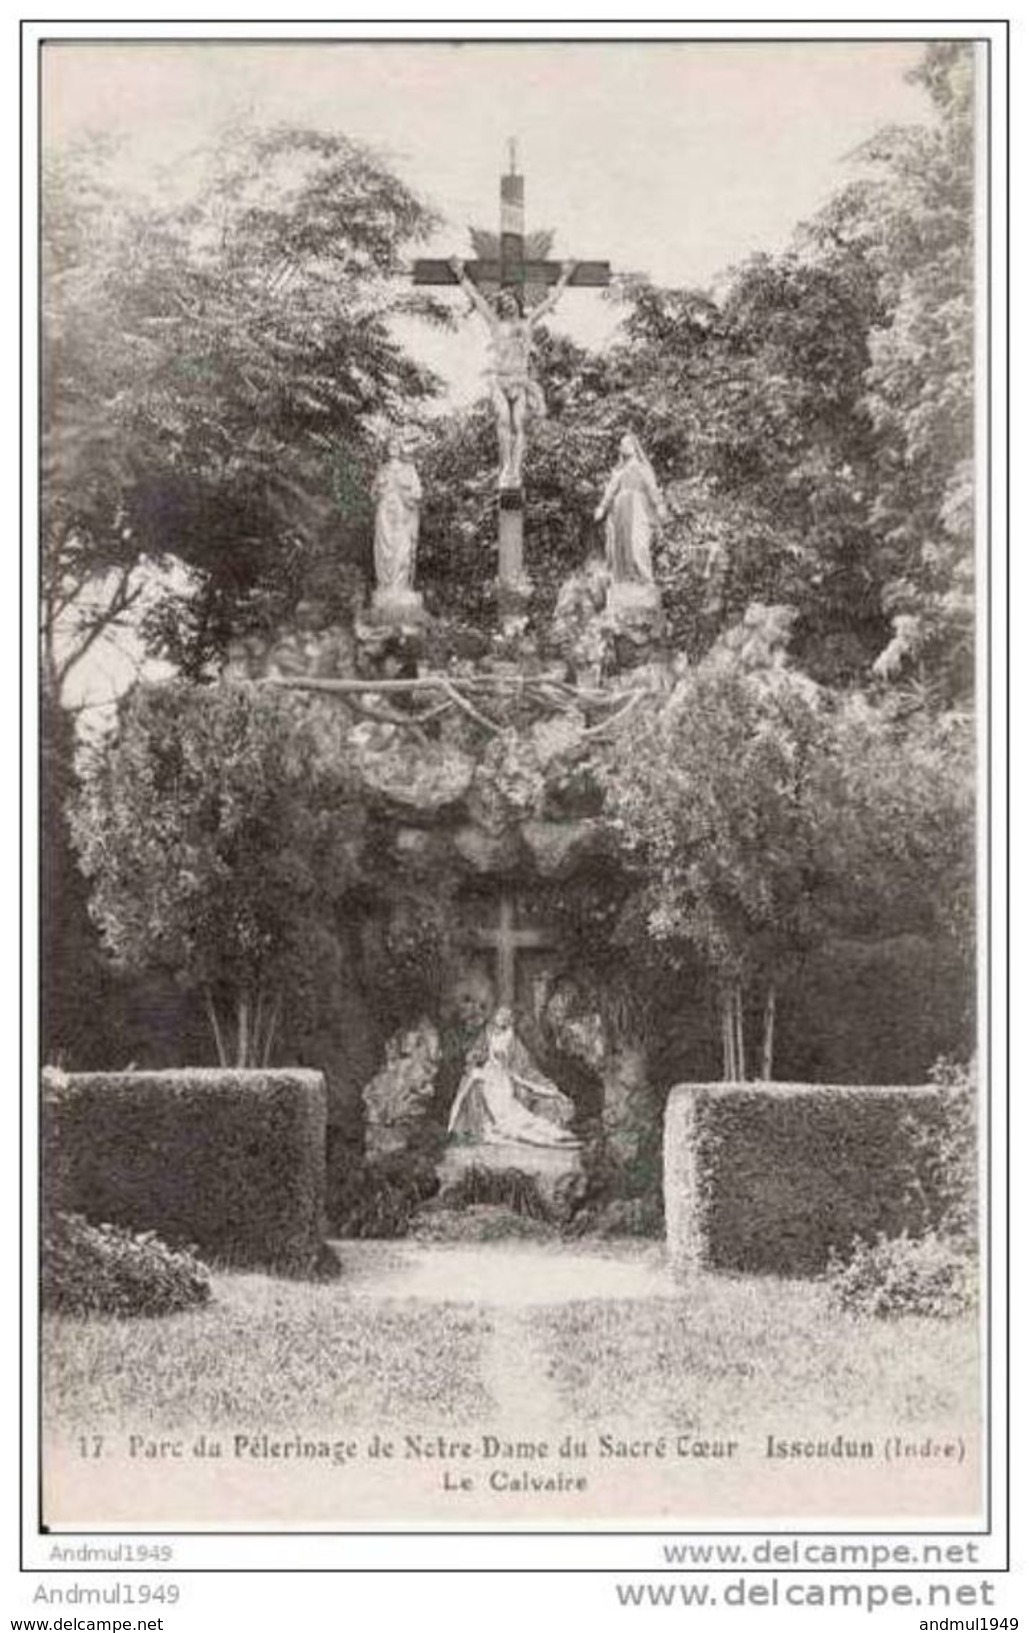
727,1354
279,1352
739,1354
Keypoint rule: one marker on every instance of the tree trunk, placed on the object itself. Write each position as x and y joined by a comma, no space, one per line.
270,1030
212,1016
733,1054
741,1058
242,1030
727,1050
256,1022
768,1040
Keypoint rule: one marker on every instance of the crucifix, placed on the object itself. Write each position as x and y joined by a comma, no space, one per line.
514,393
505,940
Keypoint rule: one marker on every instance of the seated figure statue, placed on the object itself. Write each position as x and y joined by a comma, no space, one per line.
503,1100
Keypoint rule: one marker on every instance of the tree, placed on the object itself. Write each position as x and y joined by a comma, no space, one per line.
897,789
713,808
211,368
221,828
812,428
763,815
753,414
913,221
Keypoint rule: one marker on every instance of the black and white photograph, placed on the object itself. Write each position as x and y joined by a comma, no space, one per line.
513,644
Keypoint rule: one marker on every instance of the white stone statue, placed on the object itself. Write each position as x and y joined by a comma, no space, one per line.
513,391
496,1101
398,495
631,508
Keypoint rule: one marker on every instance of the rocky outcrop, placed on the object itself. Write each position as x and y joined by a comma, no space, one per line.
421,779
557,849
398,1100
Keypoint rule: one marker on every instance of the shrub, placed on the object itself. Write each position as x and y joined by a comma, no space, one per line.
480,1222
105,1270
932,1269
498,1187
379,1198
623,1216
624,1195
233,1161
931,1275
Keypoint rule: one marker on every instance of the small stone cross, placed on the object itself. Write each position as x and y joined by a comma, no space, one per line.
505,940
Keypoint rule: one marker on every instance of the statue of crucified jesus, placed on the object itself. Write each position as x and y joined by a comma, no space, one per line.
513,391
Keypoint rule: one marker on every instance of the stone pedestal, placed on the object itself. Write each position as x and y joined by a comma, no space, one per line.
390,634
403,609
633,614
632,603
514,589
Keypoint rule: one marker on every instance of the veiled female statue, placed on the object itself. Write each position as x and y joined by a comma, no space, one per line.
398,494
496,1101
631,508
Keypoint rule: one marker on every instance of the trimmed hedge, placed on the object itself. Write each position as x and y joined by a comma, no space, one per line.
229,1162
779,1177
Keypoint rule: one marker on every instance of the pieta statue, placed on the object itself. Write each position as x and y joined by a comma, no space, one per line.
502,1099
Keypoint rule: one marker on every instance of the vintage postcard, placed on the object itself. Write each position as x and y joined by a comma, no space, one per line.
515,635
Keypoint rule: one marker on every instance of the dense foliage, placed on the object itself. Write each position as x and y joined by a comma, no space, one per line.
212,366
220,828
812,428
932,1268
214,362
905,1275
380,1197
761,814
916,221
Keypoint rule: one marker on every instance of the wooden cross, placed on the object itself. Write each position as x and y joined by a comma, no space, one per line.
512,271
505,940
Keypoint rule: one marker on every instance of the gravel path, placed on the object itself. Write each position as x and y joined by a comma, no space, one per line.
506,1280
505,1274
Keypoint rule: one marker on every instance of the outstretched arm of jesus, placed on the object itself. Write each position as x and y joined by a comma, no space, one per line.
478,300
546,306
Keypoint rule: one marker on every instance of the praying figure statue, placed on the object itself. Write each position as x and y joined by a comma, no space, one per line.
513,391
631,508
502,1099
398,498
398,494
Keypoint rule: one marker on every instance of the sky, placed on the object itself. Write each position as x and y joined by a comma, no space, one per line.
673,159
